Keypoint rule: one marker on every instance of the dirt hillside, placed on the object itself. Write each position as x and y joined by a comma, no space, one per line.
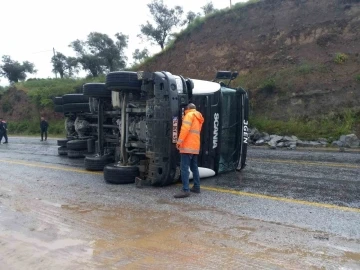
16,106
297,58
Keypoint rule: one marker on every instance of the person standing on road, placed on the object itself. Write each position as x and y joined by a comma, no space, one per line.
4,130
43,127
189,146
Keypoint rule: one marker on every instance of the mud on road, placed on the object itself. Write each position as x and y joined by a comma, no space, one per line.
283,212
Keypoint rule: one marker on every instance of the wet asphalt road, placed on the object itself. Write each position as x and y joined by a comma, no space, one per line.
286,206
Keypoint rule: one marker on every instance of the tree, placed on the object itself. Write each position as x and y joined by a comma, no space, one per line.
99,53
65,66
208,8
190,17
140,55
111,52
165,19
15,71
72,66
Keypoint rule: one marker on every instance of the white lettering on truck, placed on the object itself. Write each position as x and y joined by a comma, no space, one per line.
246,129
216,130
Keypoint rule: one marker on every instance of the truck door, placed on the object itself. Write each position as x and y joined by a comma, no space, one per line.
209,106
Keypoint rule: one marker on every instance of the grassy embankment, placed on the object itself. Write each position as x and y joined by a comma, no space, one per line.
330,126
41,93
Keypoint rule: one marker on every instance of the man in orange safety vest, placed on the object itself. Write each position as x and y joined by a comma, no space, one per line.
189,146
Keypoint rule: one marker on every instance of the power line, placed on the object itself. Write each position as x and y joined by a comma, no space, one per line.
41,52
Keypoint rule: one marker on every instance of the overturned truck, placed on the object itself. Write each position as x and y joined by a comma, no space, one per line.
139,116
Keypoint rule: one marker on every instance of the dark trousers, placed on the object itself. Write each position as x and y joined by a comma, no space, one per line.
43,132
189,161
5,136
1,135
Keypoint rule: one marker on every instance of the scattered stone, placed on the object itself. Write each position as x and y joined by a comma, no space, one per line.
337,144
350,140
260,142
291,142
266,137
280,144
255,134
274,140
292,147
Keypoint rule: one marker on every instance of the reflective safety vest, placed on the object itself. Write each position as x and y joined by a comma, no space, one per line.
189,139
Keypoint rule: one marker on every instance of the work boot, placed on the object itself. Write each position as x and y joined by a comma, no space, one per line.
5,142
195,190
182,194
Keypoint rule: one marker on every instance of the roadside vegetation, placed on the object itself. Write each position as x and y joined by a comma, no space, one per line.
42,91
56,128
330,126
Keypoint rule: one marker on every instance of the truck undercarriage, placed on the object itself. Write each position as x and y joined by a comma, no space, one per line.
131,124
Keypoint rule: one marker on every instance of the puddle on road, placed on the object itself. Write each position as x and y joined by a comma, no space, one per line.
134,238
101,237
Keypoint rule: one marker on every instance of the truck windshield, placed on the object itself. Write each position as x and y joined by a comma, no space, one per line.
230,133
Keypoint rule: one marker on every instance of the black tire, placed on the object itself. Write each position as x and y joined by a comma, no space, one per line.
62,142
97,90
76,153
75,98
123,80
115,174
62,151
96,163
76,107
59,108
77,145
58,101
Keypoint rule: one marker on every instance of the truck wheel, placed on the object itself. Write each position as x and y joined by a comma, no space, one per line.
76,153
96,90
62,142
123,80
58,101
75,98
76,107
77,144
116,174
96,163
59,108
62,151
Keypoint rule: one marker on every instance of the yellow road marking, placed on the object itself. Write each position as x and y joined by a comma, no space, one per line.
222,190
309,163
267,197
48,167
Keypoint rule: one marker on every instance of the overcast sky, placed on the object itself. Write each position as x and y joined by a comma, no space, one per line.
31,28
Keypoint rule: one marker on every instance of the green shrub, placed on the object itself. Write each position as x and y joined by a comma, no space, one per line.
357,78
33,127
6,107
340,58
305,69
332,125
268,85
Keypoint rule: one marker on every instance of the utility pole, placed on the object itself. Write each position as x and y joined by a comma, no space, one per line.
230,4
54,57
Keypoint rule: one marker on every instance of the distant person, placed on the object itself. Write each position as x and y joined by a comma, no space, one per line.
4,132
43,127
188,145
